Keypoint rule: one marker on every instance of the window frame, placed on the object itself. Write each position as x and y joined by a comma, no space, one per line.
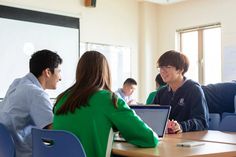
201,60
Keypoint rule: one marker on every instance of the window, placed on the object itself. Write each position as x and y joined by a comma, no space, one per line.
118,58
202,45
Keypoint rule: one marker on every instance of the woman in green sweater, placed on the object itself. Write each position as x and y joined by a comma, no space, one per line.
91,111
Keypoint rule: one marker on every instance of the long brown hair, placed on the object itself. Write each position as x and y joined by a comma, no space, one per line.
92,74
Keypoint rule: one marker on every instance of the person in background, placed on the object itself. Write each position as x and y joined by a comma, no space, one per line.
159,84
129,86
189,110
26,103
91,111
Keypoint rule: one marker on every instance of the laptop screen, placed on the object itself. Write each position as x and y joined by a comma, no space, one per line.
154,116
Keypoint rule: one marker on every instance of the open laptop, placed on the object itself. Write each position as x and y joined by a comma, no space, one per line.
156,117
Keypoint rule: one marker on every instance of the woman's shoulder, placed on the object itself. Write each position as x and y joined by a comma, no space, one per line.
102,93
107,96
101,96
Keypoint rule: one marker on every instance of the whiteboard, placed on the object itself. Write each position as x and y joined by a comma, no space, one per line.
19,39
229,68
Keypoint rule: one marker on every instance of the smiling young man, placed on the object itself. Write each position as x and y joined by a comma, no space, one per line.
189,110
26,103
129,86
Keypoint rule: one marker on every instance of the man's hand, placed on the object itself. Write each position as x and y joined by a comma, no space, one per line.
173,127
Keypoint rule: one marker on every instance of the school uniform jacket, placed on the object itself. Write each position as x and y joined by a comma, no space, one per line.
188,105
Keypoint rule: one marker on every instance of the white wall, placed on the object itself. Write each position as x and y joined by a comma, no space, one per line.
186,14
111,22
148,28
148,47
193,13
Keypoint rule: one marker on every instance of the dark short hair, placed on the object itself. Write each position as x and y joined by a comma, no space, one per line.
130,81
42,60
175,59
159,80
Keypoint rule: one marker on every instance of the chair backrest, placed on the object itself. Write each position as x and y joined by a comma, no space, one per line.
235,104
225,114
56,143
220,96
228,123
214,121
7,146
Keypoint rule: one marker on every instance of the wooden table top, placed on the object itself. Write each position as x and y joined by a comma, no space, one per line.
208,136
167,148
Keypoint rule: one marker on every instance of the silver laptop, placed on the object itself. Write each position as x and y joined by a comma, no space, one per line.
156,117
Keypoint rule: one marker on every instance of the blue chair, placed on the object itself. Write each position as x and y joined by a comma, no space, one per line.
214,121
225,114
235,104
228,123
56,143
7,146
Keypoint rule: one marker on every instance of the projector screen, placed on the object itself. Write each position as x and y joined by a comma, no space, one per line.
23,33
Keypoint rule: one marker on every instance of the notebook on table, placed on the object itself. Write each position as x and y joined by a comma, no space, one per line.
156,117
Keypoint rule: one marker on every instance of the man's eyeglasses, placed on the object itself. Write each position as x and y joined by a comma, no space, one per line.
165,68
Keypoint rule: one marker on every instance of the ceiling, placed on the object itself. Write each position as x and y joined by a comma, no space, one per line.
163,1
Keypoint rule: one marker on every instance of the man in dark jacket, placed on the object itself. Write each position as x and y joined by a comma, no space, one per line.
189,110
